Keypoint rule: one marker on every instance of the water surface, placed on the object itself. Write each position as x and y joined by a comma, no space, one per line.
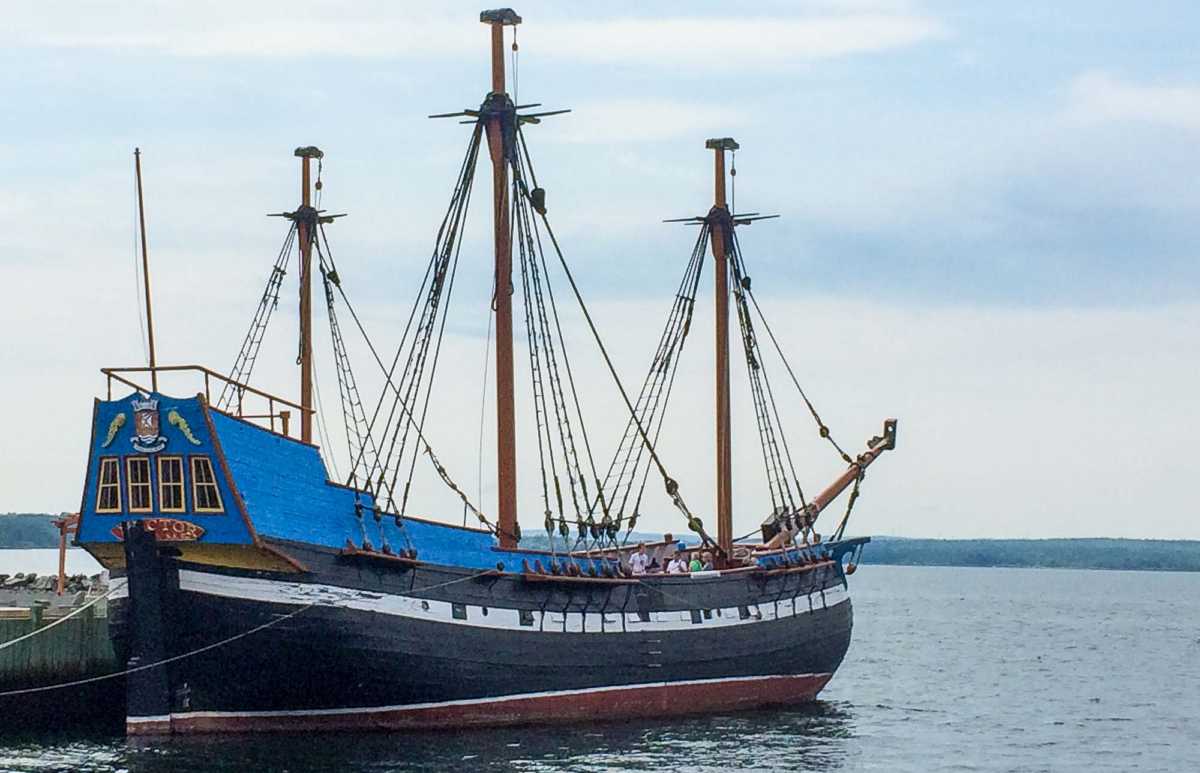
950,670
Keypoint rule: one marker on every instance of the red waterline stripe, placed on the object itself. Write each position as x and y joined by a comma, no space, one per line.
633,702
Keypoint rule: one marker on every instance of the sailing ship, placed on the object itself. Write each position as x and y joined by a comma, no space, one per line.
262,595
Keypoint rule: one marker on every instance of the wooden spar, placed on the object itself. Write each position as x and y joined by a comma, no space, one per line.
137,165
302,223
875,448
718,220
506,422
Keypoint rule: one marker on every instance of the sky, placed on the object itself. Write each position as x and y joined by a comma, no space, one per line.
990,225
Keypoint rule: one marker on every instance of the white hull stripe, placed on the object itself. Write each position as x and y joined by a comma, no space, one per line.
430,610
469,701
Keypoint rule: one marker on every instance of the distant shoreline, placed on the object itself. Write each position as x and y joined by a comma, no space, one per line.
34,530
1056,553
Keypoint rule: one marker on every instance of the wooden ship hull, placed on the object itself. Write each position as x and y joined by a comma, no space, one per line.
501,649
266,611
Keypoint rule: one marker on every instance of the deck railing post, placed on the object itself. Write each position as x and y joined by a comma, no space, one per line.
284,416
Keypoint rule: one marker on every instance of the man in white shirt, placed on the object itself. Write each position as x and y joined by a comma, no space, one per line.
639,561
679,564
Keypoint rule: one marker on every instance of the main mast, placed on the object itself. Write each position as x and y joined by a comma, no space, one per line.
305,220
506,427
721,222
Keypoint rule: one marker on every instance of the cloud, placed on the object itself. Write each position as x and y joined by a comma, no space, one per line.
383,30
1014,422
1100,97
646,120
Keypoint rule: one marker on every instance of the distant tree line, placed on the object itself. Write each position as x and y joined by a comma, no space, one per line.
27,530
1086,553
35,530
1082,553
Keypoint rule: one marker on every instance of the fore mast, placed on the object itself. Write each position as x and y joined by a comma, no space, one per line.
722,225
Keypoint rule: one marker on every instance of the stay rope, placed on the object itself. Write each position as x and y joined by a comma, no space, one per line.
670,484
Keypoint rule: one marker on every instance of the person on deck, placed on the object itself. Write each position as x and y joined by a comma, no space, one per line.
695,565
678,564
639,562
708,562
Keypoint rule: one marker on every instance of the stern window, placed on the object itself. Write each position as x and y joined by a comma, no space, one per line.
206,498
170,484
137,476
108,486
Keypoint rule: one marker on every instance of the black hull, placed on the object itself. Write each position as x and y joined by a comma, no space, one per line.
352,644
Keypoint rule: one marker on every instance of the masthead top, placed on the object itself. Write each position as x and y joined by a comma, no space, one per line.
505,16
721,143
309,151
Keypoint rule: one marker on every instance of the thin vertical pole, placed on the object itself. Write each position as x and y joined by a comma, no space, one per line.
719,221
306,376
137,165
62,554
506,429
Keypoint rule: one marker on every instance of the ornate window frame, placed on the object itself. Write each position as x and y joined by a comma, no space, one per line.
108,463
196,464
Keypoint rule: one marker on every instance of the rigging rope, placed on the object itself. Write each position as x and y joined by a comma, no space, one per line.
390,385
655,391
765,409
823,430
670,484
199,650
243,365
322,427
487,359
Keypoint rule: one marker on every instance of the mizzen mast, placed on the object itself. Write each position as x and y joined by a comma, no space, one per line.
721,224
497,108
305,218
137,166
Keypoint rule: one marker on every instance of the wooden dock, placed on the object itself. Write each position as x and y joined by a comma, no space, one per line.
72,650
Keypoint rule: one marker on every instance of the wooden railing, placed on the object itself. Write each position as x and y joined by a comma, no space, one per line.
275,406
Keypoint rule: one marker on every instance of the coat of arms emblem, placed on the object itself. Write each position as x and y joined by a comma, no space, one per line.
145,427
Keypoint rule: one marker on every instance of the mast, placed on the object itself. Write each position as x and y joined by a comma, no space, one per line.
137,165
305,220
720,221
500,107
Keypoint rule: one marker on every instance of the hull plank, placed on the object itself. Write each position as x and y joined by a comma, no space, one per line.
614,703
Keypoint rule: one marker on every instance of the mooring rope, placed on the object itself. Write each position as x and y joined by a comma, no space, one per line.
174,658
163,662
63,619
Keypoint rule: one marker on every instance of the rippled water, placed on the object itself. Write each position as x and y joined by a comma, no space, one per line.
950,670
